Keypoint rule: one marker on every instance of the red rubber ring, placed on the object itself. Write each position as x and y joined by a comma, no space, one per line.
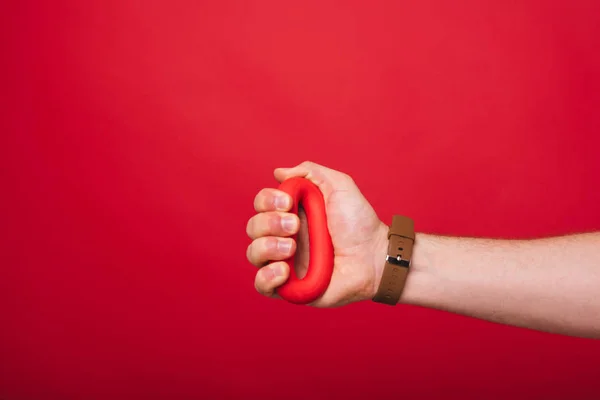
320,265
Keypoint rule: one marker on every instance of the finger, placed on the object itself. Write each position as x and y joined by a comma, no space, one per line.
265,249
272,200
325,178
301,170
270,277
272,224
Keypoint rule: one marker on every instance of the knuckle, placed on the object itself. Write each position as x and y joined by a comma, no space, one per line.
259,199
258,227
267,244
266,193
253,253
264,200
274,223
260,250
343,178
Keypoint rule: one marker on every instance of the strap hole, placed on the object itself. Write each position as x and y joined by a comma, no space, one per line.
400,248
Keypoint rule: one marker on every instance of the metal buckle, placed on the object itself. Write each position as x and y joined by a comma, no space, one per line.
397,261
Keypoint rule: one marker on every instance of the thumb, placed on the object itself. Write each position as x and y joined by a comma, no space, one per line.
325,178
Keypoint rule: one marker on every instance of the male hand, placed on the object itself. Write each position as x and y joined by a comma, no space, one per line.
359,237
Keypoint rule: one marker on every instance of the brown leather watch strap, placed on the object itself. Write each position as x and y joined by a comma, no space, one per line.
401,238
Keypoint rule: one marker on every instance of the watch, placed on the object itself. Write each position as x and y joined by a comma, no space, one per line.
401,237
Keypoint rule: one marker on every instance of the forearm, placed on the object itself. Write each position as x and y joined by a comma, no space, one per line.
549,284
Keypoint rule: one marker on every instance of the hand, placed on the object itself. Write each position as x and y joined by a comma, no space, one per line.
358,236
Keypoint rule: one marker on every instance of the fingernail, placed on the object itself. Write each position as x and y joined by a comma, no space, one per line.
288,223
284,246
282,202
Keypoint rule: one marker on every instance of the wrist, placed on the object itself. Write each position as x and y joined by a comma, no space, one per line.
416,272
379,253
419,281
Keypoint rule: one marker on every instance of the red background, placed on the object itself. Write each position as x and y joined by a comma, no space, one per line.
136,134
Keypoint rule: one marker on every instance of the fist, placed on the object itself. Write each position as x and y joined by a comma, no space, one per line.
357,234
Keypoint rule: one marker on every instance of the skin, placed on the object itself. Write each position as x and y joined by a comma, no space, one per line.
548,284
